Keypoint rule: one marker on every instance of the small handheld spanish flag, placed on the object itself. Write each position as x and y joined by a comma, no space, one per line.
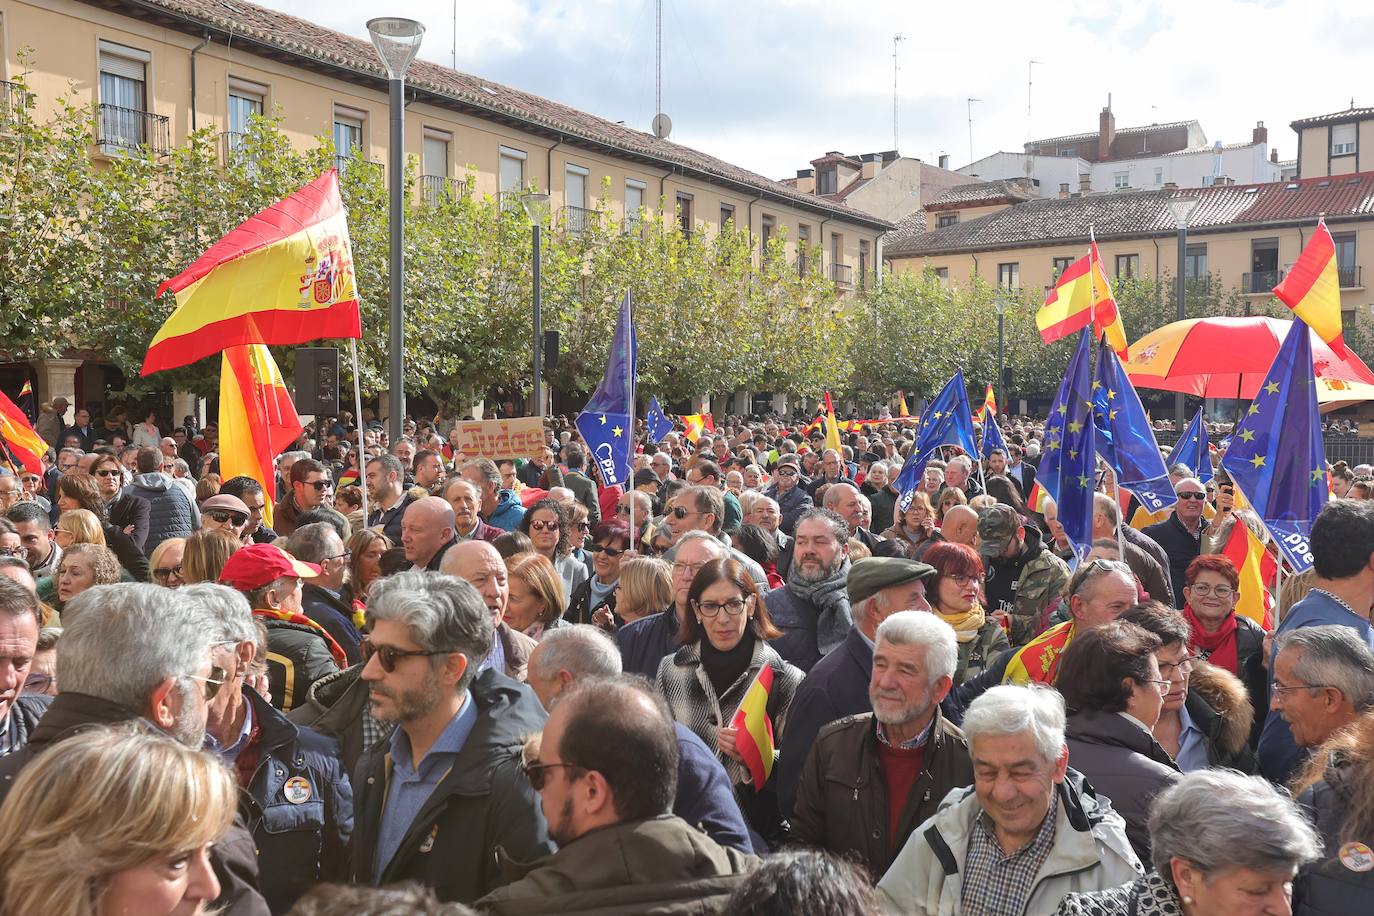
989,404
754,730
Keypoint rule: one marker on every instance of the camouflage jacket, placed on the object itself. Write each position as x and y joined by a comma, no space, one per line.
1041,583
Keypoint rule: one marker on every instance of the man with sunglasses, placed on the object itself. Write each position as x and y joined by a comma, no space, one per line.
1182,532
434,802
789,491
225,513
311,486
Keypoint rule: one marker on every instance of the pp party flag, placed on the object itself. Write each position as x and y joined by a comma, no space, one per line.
284,276
1192,449
902,410
1082,296
1124,437
1070,459
754,730
1257,568
606,422
696,424
26,401
989,406
993,440
947,421
257,420
1312,288
832,429
655,422
1276,457
19,442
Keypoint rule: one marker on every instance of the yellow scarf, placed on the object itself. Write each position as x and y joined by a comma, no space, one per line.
967,624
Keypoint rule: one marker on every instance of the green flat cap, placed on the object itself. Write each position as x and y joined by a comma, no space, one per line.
871,575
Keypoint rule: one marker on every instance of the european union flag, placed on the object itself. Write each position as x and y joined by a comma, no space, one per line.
655,422
605,423
1191,449
1124,438
1067,468
1276,456
947,421
992,439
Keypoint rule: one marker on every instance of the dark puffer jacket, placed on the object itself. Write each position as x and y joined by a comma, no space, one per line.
1328,886
297,656
171,513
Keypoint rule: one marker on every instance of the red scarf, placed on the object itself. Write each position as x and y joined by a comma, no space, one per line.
300,619
1219,648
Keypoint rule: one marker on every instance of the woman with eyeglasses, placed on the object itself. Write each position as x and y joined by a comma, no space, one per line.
166,563
42,677
579,533
955,594
916,526
81,567
123,511
724,637
1221,636
548,525
1114,693
1207,715
535,602
594,600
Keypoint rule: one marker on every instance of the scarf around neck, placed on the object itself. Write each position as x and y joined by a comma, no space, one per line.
1219,647
966,625
830,598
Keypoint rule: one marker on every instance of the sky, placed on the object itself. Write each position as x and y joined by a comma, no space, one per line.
772,84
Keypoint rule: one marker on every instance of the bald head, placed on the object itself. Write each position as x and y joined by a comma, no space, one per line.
843,499
481,566
426,527
960,525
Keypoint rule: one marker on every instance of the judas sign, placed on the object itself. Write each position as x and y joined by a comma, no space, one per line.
519,437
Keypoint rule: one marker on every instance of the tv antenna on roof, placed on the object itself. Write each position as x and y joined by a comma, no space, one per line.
662,124
895,40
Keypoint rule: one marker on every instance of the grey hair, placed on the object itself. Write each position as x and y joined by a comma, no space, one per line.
1108,507
696,534
582,650
127,638
443,614
963,461
1011,710
229,613
487,468
1333,656
839,528
1189,479
1220,819
918,628
17,600
311,543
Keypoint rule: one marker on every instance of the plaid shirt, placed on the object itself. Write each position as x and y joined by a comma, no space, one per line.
997,884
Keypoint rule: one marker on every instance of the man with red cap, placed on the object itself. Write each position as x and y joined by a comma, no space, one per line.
300,651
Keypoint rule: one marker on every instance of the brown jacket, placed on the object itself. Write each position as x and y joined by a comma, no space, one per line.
517,647
842,799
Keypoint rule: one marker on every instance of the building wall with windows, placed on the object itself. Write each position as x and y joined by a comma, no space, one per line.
1341,143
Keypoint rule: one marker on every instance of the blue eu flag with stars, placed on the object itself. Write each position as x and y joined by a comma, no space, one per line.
1192,449
1070,458
655,422
605,422
947,421
992,439
1124,437
1276,456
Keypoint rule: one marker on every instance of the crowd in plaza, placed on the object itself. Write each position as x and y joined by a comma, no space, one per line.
509,689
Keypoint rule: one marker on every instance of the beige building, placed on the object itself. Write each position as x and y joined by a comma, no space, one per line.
887,185
159,69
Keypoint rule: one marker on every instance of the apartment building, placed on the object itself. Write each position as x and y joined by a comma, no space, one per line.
886,184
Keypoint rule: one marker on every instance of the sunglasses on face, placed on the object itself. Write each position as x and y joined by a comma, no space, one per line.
387,656
788,471
678,512
1191,495
543,526
319,484
608,551
163,573
224,515
213,683
538,773
109,472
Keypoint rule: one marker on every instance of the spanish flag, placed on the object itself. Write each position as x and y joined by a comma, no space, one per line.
1038,660
696,424
285,276
832,429
902,410
1038,499
1312,288
989,404
257,420
1256,567
1082,295
754,730
26,401
18,440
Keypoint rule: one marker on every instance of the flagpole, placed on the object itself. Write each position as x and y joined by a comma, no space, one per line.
630,387
358,419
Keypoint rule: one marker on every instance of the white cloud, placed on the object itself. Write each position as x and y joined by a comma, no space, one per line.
771,84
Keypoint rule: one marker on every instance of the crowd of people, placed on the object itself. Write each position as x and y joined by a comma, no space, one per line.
756,680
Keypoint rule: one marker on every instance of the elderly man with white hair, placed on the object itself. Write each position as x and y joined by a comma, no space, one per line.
958,476
1026,833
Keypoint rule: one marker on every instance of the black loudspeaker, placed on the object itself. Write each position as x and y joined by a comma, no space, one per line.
317,380
1006,380
550,351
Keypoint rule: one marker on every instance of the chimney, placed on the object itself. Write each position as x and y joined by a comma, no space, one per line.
944,161
1063,189
871,164
1260,133
806,181
1085,183
1106,133
1171,185
1274,156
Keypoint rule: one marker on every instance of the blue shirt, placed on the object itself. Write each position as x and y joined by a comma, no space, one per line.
410,787
231,753
1192,750
496,658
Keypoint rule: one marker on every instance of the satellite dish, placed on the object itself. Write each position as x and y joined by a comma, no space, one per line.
662,126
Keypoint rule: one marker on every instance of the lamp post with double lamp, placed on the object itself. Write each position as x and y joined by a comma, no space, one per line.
397,41
537,206
1001,301
1181,209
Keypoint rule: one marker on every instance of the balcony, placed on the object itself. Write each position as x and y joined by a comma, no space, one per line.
375,169
1260,282
436,189
1351,278
14,104
577,219
125,131
843,275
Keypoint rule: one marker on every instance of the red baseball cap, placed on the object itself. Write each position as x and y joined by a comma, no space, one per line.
256,565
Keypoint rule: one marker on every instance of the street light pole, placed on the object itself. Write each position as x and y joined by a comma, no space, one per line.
537,207
397,41
1181,208
1001,343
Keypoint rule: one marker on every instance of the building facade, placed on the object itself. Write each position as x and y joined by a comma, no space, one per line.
887,185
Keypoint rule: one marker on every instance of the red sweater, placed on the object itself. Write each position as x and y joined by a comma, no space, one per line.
900,769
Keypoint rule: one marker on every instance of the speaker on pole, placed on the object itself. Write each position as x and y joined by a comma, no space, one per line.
550,350
317,380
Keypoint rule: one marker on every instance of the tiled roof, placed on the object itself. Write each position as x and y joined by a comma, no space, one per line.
267,31
978,192
1199,150
1336,117
1122,132
1134,214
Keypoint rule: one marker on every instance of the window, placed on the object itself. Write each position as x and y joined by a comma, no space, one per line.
826,181
512,174
1127,265
123,97
1195,262
1347,318
245,103
575,186
947,219
768,227
1159,176
1060,265
348,136
863,262
727,215
1343,139
942,274
1121,179
684,213
434,183
1345,260
1009,276
634,201
803,243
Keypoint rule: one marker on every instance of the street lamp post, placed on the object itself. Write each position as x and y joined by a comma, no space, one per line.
537,206
1181,208
397,41
1001,341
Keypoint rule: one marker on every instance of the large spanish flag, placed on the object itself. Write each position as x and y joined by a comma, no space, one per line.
1312,289
754,730
1257,568
18,440
285,276
257,420
1082,295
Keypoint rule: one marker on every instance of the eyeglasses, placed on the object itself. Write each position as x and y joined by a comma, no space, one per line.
37,682
622,510
787,471
1183,665
734,607
224,515
582,526
1163,686
387,656
537,773
1282,692
678,512
213,683
962,580
1191,495
1221,591
544,526
345,556
109,472
319,484
693,568
608,551
162,573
